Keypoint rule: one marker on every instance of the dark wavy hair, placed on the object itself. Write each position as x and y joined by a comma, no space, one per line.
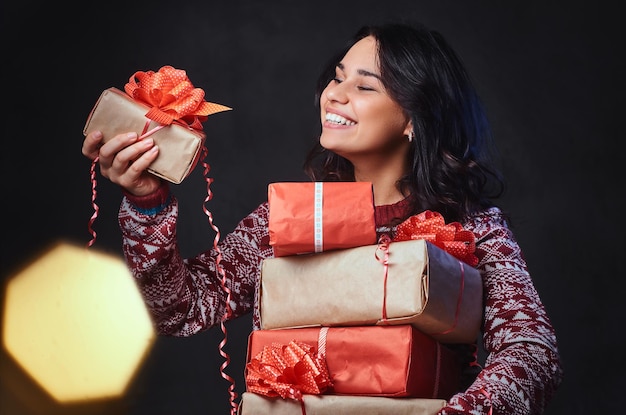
451,171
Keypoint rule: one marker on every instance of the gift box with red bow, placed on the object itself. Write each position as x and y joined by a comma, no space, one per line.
320,216
406,282
393,361
254,404
163,105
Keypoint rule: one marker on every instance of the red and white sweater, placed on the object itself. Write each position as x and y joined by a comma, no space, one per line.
522,369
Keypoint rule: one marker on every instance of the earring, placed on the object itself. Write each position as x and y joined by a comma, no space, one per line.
411,135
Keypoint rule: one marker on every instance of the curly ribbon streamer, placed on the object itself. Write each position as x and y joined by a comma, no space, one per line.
220,269
171,97
289,370
474,362
96,208
450,237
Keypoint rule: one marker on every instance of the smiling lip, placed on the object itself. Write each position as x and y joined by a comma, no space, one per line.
330,124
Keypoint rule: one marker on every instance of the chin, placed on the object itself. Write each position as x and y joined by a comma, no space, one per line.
331,142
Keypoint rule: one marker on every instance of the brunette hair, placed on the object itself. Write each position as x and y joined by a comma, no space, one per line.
450,163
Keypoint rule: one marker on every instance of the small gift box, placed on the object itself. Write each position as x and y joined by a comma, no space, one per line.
163,105
320,216
254,404
359,361
407,282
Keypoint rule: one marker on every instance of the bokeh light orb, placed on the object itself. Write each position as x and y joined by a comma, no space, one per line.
75,321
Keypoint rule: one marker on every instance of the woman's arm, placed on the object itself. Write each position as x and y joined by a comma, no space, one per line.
186,296
523,368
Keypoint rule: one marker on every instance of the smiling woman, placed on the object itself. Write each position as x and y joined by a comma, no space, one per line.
397,110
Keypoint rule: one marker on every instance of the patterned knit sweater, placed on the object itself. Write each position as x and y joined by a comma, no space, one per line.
522,369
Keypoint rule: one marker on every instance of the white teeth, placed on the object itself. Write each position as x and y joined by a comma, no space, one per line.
338,119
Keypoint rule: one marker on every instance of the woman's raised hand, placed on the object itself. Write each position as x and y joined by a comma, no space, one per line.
124,160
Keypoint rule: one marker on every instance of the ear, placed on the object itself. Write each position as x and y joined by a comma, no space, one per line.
409,128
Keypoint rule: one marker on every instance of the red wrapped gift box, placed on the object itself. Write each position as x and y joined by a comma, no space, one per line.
310,217
391,361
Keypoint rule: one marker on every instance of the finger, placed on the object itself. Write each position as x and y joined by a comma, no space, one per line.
138,152
91,144
139,166
111,148
136,179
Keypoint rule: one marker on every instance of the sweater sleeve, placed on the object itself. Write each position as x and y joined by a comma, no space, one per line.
523,368
187,295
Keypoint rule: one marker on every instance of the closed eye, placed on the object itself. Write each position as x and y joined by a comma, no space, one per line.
361,74
337,80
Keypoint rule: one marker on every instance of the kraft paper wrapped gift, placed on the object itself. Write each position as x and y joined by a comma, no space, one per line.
423,285
179,147
254,404
393,361
308,217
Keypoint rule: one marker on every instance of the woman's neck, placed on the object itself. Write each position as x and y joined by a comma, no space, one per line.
386,194
385,187
384,170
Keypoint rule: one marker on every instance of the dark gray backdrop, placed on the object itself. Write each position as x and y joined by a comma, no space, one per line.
551,76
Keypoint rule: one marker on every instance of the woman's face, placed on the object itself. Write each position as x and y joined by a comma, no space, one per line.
358,116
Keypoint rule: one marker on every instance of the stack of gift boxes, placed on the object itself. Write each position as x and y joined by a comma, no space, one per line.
351,324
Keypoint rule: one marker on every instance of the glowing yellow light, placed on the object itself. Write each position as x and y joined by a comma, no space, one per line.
75,321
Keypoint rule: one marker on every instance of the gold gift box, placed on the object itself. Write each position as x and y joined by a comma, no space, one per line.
179,146
256,404
426,287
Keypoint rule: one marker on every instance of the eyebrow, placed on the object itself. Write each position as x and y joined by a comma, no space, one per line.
361,72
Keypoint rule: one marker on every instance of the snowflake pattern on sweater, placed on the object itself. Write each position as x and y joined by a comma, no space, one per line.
522,369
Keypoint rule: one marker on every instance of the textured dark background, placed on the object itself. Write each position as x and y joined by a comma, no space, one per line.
550,73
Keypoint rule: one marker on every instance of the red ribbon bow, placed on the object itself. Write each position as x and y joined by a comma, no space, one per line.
450,237
288,371
171,97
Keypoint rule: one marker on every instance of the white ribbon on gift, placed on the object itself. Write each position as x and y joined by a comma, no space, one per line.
318,204
321,341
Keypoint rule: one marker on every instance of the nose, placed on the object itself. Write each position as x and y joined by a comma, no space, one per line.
336,92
